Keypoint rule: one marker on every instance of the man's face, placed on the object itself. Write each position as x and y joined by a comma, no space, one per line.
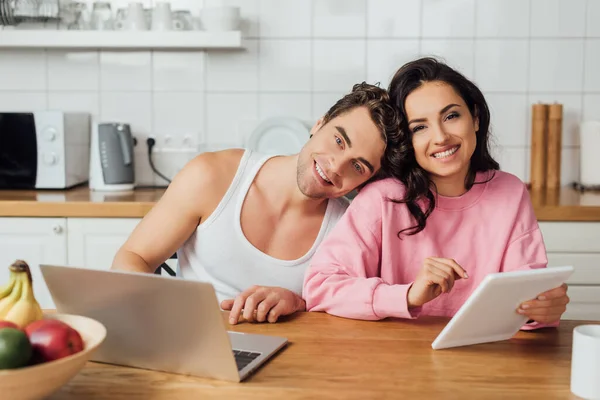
341,155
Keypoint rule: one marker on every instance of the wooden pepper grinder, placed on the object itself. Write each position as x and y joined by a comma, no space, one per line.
555,116
539,136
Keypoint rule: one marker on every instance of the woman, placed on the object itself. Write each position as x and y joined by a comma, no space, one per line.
420,243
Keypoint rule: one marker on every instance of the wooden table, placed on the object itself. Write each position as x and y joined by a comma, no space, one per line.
330,357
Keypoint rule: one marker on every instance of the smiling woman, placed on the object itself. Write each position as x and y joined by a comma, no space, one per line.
448,119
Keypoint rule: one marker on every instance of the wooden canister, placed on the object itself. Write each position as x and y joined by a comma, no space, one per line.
539,135
553,159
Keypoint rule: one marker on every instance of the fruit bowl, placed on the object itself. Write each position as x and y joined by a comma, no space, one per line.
41,380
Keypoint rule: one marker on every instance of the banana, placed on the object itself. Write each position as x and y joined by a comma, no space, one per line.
20,306
26,310
7,289
8,302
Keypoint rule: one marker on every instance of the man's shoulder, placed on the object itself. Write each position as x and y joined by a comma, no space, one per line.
212,167
380,191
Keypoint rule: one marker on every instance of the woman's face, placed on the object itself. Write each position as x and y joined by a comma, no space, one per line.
443,130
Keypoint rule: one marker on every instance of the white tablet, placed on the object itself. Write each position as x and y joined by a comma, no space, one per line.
489,314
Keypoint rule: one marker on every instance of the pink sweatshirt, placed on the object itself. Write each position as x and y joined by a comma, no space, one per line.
362,269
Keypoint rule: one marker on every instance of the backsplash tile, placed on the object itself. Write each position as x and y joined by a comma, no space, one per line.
175,71
300,57
556,65
285,18
448,18
285,65
125,71
384,57
339,18
233,71
23,70
295,105
338,64
508,115
73,70
502,18
221,126
501,65
558,18
593,16
591,78
591,107
23,101
393,18
569,166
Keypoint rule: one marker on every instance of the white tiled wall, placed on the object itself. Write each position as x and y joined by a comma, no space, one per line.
300,56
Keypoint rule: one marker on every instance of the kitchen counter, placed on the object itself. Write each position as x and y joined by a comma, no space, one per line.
78,202
329,357
566,204
559,205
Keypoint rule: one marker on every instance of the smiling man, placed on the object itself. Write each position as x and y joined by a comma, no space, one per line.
249,223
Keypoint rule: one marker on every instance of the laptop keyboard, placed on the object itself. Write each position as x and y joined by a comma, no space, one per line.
243,358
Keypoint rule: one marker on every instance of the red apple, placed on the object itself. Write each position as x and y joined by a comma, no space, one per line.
9,324
53,339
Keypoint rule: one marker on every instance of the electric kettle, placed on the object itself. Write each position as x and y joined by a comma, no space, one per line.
112,163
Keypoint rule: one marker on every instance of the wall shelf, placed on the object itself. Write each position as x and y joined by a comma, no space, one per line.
131,40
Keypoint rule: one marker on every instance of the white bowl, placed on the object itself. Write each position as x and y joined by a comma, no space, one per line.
39,381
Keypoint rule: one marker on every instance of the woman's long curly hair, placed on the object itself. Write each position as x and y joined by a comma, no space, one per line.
417,181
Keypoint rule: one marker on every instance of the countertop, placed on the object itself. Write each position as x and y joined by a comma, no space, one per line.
565,204
330,357
78,202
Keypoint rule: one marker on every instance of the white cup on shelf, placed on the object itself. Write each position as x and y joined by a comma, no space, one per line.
134,18
162,18
585,362
220,19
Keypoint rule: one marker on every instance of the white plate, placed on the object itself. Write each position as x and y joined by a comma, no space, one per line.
281,136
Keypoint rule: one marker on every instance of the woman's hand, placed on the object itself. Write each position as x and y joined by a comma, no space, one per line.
437,276
548,307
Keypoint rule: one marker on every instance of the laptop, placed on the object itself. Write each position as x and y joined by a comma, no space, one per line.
489,314
160,323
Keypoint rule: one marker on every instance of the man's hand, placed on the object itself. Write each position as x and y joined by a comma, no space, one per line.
437,276
269,303
548,307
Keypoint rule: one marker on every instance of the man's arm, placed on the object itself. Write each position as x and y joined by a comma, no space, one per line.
174,218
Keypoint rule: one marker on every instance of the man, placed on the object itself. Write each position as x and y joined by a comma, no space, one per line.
237,218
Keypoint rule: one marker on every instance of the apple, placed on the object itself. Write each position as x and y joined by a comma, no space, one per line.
52,339
9,324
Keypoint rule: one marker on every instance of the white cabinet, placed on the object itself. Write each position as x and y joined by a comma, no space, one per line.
36,241
77,242
93,242
577,244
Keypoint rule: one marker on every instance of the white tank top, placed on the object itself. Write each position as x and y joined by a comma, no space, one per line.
219,253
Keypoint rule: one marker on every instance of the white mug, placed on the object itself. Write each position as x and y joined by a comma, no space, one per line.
585,362
136,18
162,18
